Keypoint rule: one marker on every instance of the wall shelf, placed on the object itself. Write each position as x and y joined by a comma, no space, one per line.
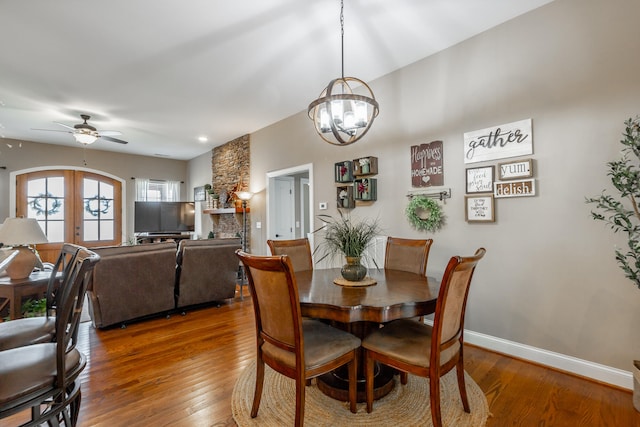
221,211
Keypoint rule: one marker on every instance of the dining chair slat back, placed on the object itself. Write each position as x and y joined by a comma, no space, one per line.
409,255
298,251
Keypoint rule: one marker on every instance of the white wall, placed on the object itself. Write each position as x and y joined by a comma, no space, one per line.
549,279
199,174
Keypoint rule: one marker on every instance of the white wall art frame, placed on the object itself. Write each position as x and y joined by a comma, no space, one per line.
499,142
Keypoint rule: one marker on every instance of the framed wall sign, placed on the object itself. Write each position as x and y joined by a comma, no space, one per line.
426,165
516,188
479,208
480,180
515,170
499,142
198,194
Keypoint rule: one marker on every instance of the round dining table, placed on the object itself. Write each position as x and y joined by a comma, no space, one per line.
361,309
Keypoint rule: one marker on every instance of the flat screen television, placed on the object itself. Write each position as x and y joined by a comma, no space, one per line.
164,217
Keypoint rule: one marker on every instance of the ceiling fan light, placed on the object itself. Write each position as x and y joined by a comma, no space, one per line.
85,138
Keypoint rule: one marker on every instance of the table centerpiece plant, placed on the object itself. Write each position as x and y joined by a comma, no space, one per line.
622,213
350,238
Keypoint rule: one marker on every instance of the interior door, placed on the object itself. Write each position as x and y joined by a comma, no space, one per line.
71,206
284,208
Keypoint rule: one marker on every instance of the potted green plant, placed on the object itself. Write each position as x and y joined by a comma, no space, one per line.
622,213
34,308
349,238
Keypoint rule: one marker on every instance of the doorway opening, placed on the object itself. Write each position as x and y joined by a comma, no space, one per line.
290,203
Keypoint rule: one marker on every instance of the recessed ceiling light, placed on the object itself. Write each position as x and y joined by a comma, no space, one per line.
203,138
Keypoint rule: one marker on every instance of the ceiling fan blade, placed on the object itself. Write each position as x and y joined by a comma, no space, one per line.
109,133
53,130
64,126
108,138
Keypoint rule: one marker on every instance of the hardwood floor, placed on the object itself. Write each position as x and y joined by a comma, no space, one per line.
181,372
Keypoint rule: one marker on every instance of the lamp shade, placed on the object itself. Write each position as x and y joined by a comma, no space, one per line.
244,195
21,231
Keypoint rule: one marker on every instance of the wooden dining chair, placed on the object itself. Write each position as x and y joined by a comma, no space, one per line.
298,251
426,351
407,254
298,348
34,330
42,377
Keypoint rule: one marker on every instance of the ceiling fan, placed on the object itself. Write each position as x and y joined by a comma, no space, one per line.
86,134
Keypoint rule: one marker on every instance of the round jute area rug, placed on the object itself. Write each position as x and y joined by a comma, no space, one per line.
405,406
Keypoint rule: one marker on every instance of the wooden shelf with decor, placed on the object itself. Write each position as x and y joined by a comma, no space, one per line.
365,166
233,210
365,189
344,171
345,197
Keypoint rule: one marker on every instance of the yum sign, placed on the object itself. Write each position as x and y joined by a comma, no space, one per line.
498,142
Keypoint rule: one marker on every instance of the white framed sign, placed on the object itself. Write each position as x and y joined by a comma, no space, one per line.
479,208
519,188
480,180
515,170
499,142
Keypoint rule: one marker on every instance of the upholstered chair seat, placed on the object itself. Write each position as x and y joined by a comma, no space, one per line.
29,331
27,370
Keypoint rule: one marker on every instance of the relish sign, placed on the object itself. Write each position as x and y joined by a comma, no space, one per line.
498,142
426,165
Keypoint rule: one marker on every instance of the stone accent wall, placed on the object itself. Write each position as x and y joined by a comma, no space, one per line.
230,171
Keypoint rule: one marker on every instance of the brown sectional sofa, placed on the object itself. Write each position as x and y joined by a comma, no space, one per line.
133,282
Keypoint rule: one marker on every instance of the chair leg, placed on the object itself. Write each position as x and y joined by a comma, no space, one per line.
368,369
434,399
257,394
353,391
404,378
462,386
300,394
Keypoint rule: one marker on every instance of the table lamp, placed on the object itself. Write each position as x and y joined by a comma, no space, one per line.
20,233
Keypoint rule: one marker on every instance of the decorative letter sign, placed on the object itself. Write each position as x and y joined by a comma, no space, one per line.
498,142
426,165
521,188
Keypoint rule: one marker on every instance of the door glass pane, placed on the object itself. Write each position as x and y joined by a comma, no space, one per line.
90,231
98,211
45,202
55,231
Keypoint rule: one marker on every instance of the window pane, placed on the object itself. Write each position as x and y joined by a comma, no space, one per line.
106,190
90,188
36,186
55,186
56,208
90,230
106,230
108,214
54,231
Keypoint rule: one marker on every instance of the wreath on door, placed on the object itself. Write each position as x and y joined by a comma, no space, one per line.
424,213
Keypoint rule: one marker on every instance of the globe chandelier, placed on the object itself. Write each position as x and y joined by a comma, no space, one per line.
340,116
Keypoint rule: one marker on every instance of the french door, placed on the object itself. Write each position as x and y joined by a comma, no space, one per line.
71,206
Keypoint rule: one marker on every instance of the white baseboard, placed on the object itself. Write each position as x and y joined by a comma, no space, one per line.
595,371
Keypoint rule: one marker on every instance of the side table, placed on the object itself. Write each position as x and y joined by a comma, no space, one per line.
13,290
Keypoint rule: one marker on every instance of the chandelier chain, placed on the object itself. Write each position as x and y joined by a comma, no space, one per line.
342,34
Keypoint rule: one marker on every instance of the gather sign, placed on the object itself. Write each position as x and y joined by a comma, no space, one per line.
498,142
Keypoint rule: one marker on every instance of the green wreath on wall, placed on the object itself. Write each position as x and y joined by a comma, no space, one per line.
424,213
